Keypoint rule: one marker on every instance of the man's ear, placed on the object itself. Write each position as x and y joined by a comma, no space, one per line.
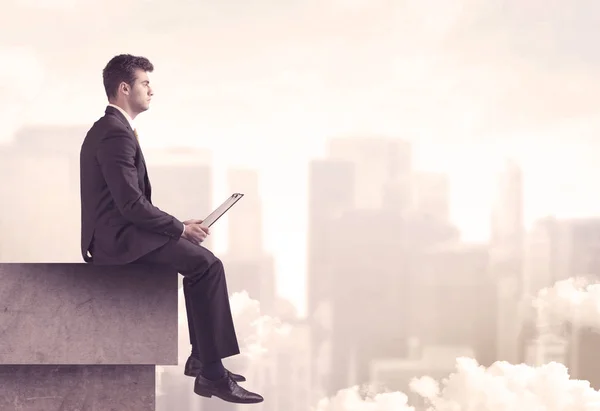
124,88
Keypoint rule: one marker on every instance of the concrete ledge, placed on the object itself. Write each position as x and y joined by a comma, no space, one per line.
77,388
84,314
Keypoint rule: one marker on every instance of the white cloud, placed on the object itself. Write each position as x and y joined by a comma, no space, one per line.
256,332
501,387
352,399
575,300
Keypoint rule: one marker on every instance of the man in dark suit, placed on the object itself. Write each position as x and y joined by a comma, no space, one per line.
120,225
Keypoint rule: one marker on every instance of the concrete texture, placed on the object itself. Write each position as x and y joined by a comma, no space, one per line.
77,388
84,314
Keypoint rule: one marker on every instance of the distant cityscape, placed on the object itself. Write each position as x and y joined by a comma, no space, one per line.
393,292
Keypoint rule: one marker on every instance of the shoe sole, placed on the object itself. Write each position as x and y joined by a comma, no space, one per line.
203,393
207,394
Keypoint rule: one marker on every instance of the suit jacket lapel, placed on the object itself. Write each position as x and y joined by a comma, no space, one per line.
148,192
147,186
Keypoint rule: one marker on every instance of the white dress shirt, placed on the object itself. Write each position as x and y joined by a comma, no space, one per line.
129,119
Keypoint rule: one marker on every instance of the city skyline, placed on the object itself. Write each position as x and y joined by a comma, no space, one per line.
394,371
289,250
447,76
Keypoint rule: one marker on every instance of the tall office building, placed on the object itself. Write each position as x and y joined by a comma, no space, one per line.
507,223
506,258
455,298
370,280
359,247
331,192
399,194
40,194
431,195
582,354
249,267
378,161
375,265
558,249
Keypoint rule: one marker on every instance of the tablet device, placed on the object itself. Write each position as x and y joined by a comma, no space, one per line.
222,209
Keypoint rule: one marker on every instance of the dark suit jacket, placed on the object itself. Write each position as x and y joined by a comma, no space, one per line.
119,223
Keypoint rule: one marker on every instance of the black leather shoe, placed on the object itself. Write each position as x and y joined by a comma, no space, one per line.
225,389
192,368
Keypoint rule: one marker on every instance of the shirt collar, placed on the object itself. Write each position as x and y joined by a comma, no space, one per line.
129,119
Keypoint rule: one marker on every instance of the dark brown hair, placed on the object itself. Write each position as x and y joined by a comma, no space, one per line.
122,68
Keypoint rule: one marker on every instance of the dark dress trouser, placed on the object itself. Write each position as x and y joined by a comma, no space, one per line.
209,316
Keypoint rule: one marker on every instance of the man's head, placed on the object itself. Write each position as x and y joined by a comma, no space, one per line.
127,84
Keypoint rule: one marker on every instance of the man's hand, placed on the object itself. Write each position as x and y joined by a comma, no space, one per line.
206,229
194,231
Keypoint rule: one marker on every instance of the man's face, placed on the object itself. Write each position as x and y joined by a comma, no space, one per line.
140,92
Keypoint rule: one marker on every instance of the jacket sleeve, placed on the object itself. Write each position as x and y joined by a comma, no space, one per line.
116,157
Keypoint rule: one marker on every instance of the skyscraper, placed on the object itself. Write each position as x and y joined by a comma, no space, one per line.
431,195
42,195
331,192
377,161
249,267
506,258
507,215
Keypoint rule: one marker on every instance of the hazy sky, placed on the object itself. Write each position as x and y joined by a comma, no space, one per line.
264,83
